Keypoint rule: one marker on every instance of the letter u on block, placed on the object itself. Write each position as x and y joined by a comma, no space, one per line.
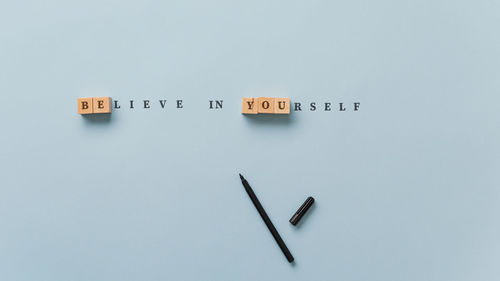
282,105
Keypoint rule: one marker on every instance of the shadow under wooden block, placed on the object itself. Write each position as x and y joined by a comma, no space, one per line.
249,106
270,119
282,105
102,105
85,105
97,118
266,105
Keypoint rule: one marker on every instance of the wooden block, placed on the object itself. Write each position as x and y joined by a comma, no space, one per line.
249,106
266,105
102,105
85,105
282,105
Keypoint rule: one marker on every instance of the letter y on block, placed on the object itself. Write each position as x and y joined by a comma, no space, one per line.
249,106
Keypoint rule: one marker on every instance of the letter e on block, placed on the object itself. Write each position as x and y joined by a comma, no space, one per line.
102,105
249,106
266,105
282,105
85,106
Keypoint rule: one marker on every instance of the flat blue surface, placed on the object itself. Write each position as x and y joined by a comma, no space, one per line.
407,188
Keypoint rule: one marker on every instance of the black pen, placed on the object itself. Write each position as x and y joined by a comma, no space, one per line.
266,219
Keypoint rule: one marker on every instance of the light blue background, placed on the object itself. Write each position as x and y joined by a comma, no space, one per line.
407,188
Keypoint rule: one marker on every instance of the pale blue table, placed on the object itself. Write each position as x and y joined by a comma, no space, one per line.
407,187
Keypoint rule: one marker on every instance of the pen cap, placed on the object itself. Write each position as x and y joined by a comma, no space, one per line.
302,210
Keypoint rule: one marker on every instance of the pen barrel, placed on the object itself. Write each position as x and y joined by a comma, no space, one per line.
268,222
302,210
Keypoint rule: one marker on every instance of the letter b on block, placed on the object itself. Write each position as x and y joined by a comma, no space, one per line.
85,105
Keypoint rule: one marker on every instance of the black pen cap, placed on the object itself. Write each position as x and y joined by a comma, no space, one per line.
302,210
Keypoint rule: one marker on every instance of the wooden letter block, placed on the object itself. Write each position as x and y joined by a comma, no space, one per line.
266,105
282,105
85,105
102,105
249,106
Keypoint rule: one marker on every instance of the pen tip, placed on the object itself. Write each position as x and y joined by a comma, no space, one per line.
241,177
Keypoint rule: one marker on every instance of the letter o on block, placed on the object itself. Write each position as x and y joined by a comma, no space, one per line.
266,105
